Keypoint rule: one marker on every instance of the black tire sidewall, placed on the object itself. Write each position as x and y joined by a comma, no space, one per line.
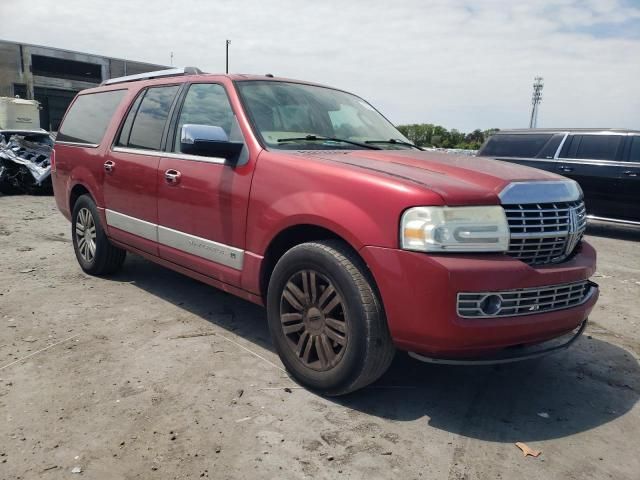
351,364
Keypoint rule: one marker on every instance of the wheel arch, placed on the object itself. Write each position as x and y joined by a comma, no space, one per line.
288,238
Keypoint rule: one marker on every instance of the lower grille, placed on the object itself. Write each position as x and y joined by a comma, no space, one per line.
544,233
524,301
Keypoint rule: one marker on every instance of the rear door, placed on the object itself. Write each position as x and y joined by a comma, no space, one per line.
628,195
593,161
131,168
202,201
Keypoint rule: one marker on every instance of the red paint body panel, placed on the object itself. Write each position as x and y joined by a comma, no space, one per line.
419,294
358,195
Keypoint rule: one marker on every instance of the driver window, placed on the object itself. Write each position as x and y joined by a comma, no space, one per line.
207,104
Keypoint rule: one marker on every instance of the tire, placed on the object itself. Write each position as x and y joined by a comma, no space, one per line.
326,320
95,253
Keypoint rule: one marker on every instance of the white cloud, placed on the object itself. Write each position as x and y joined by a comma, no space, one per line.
461,64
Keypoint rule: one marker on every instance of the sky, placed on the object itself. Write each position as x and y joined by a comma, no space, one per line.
458,63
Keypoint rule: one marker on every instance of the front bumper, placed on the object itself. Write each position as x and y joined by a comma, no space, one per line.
419,293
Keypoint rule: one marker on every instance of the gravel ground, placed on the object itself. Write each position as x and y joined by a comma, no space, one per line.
149,374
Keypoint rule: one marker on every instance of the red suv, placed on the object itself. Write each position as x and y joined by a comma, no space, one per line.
305,199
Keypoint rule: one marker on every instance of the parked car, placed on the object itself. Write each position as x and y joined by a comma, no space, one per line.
305,199
606,164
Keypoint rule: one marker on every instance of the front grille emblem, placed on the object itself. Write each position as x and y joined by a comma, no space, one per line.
575,232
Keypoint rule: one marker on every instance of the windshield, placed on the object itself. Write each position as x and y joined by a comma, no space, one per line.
294,116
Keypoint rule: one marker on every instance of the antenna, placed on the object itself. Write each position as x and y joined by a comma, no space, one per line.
536,98
228,43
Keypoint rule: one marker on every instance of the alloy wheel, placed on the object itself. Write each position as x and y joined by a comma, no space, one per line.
86,234
314,320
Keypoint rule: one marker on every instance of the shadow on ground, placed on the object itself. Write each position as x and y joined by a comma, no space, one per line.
592,383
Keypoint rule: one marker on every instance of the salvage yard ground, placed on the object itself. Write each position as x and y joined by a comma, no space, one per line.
149,374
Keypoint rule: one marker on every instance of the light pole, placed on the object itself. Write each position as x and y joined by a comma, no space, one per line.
228,43
536,98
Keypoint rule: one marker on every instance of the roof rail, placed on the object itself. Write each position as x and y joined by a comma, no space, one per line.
170,72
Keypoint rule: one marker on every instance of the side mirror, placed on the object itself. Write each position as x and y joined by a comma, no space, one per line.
208,141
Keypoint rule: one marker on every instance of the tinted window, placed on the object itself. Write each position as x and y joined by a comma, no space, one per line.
515,145
634,152
148,125
125,132
549,150
89,117
597,147
207,104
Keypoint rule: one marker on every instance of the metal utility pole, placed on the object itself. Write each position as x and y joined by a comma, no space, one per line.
536,98
228,43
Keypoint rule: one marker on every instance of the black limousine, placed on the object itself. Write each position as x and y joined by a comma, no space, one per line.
605,162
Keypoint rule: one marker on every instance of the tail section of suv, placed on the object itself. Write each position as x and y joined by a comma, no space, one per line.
606,164
306,200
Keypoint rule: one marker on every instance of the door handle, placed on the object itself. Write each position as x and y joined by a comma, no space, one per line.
564,168
630,173
109,166
172,177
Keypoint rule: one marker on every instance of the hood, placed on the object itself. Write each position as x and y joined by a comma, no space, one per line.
458,179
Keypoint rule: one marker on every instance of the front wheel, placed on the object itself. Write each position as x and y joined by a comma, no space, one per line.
95,253
326,320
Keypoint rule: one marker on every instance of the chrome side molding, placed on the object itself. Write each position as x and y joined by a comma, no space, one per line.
201,247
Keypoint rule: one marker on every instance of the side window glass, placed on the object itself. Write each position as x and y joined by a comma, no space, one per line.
89,117
150,119
549,150
598,147
515,145
207,104
125,132
634,152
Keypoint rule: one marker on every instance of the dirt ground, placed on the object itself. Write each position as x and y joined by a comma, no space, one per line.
149,374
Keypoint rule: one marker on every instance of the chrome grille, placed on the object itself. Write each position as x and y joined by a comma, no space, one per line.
545,232
525,301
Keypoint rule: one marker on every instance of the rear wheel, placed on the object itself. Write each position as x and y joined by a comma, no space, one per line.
95,253
326,320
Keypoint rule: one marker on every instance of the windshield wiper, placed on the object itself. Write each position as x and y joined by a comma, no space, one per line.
393,141
332,139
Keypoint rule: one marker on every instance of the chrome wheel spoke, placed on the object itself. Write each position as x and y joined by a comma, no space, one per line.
79,227
307,350
313,286
297,293
332,304
325,295
293,328
301,342
292,300
339,339
290,317
92,232
337,325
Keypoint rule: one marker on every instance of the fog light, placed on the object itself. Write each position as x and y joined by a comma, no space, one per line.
491,304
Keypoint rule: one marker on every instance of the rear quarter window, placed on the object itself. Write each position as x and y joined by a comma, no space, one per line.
515,145
89,117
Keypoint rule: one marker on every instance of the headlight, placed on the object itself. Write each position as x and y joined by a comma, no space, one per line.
455,229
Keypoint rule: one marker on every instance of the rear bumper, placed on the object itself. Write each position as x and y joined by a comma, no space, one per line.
419,293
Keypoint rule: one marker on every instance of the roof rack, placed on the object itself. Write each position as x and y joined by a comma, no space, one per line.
170,72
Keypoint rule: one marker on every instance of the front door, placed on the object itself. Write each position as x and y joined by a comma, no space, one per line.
202,201
131,168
